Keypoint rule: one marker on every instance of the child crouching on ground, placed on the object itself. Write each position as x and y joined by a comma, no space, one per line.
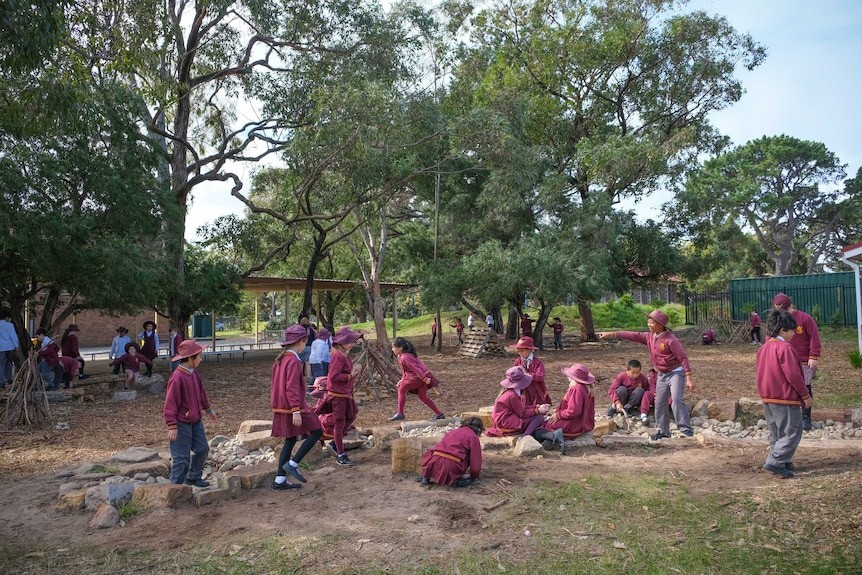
628,389
781,385
456,460
185,403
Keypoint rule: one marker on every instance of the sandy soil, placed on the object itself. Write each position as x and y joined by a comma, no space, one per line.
372,521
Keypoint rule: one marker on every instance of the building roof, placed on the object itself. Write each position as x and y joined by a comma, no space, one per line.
269,284
852,251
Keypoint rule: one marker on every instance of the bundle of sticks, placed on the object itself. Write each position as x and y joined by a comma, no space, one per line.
26,400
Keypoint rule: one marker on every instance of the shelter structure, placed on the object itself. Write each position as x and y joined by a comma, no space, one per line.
481,341
852,256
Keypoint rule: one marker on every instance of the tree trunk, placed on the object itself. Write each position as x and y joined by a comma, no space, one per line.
588,330
513,324
541,322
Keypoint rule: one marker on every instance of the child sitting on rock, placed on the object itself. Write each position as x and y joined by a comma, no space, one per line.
510,415
576,413
131,362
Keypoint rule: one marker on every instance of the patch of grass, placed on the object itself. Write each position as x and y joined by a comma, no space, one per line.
855,358
129,509
103,469
846,399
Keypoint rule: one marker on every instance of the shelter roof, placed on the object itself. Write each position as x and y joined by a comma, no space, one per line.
269,284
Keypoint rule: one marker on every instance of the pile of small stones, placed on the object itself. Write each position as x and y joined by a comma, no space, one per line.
229,454
736,430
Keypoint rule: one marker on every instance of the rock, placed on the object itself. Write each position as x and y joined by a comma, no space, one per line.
64,474
202,498
604,427
485,417
835,415
88,467
256,440
254,425
407,426
407,453
527,446
125,395
252,476
620,441
751,407
156,387
106,516
324,471
696,422
723,409
162,495
384,434
113,494
156,467
497,443
135,455
72,501
487,410
219,440
701,408
856,417
585,440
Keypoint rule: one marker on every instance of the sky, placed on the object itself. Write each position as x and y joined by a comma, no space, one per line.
809,87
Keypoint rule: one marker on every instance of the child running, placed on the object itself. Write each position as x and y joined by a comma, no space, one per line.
576,413
339,389
291,415
674,372
781,385
456,460
185,403
415,378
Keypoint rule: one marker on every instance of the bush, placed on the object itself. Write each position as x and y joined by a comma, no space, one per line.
836,320
817,313
855,358
275,324
626,300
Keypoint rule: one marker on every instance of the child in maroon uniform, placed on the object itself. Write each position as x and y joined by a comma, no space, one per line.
510,415
459,329
781,386
457,459
185,403
149,339
557,326
49,366
628,389
674,372
806,342
415,378
69,347
537,393
526,325
339,389
291,415
69,365
755,329
576,413
131,363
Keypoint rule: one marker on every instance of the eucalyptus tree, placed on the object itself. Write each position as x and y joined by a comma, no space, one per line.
612,100
783,189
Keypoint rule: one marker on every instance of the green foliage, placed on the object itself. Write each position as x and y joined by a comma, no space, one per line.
817,313
130,509
836,320
626,300
855,358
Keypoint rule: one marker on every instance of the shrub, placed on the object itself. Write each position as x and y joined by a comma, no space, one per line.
855,358
626,300
836,319
817,313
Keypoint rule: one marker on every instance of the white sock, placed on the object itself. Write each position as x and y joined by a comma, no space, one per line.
280,479
293,463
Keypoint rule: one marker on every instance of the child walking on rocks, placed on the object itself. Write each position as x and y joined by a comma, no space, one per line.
339,391
415,378
291,415
781,385
185,403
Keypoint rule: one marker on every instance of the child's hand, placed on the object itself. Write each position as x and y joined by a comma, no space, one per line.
427,381
553,418
544,408
172,435
297,419
689,383
213,417
807,403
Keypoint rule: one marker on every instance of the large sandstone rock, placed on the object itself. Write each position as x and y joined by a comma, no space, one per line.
621,440
212,496
701,408
485,417
129,395
254,425
585,440
527,446
497,443
117,494
384,434
162,495
106,516
487,410
257,439
604,427
135,455
856,417
751,407
250,477
72,501
407,453
722,409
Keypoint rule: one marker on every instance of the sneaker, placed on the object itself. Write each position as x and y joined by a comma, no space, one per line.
782,472
397,417
284,486
789,466
83,376
423,480
687,432
644,418
344,460
611,411
330,445
659,435
294,471
438,416
197,483
463,482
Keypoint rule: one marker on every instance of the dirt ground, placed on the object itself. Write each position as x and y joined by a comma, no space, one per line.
372,519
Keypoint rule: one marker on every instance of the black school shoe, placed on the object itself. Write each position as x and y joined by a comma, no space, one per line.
284,486
198,483
294,471
782,472
659,435
463,482
344,460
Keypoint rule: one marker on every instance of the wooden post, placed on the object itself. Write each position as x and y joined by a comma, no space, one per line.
212,322
394,313
256,322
